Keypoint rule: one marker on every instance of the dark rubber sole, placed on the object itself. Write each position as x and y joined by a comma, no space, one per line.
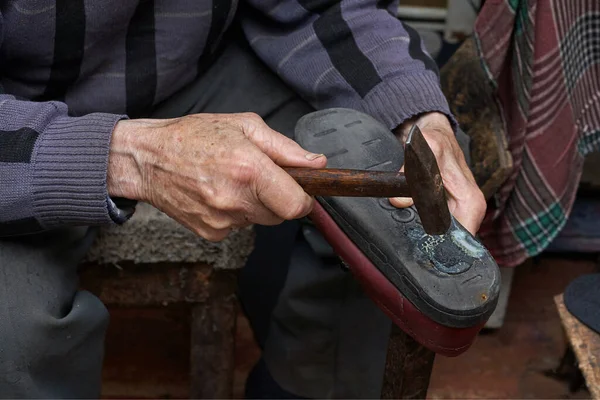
451,279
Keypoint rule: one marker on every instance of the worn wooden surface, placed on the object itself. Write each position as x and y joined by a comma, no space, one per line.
585,344
472,101
147,353
212,349
150,284
208,296
408,368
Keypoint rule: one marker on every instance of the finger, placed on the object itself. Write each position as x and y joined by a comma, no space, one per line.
215,235
219,220
471,211
258,214
280,193
207,222
463,206
402,202
467,219
287,153
203,230
266,217
281,149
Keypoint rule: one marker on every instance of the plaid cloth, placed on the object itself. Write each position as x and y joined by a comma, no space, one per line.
543,56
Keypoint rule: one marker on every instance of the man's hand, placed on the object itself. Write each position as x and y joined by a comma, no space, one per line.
210,172
466,202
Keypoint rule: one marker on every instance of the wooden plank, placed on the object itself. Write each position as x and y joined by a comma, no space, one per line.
213,349
212,353
407,369
149,284
586,346
147,353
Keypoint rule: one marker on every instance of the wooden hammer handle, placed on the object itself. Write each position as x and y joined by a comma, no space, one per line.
350,183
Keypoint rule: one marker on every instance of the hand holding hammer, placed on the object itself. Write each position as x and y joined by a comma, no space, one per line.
421,180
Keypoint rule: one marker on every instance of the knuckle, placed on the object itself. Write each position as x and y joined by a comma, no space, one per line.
218,223
211,237
297,209
252,117
198,231
221,202
274,221
244,172
216,236
250,121
232,205
253,126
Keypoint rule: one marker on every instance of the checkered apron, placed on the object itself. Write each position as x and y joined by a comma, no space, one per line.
543,57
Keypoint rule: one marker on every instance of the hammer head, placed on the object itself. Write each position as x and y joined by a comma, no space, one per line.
425,184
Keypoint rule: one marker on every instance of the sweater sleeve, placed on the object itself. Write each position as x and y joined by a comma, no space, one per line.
346,53
53,167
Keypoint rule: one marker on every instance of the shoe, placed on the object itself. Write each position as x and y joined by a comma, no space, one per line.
438,289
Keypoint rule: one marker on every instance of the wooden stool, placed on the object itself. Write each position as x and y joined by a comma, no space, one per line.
153,262
585,344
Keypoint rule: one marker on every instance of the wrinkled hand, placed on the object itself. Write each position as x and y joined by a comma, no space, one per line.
465,201
210,172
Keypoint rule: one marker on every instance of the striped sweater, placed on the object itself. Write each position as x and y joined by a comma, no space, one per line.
70,69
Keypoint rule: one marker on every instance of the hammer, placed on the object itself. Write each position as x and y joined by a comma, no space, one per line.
421,180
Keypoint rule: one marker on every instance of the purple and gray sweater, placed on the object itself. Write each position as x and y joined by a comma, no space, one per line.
70,69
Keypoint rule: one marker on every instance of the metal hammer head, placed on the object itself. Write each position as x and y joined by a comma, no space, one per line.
425,184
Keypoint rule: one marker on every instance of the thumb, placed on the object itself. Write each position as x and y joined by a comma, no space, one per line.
281,149
402,202
467,218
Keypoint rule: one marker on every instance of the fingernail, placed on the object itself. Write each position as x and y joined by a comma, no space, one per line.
312,156
403,201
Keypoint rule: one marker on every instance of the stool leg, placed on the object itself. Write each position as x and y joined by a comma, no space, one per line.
407,369
212,348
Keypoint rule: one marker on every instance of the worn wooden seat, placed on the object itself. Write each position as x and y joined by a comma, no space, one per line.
153,263
585,344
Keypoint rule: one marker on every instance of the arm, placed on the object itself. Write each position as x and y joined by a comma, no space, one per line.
355,54
53,167
209,172
348,53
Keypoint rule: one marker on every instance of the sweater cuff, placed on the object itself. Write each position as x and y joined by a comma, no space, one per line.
394,101
69,174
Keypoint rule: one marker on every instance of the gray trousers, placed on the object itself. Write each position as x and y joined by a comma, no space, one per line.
321,337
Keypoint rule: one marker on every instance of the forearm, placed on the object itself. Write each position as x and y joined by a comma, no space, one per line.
53,167
350,54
